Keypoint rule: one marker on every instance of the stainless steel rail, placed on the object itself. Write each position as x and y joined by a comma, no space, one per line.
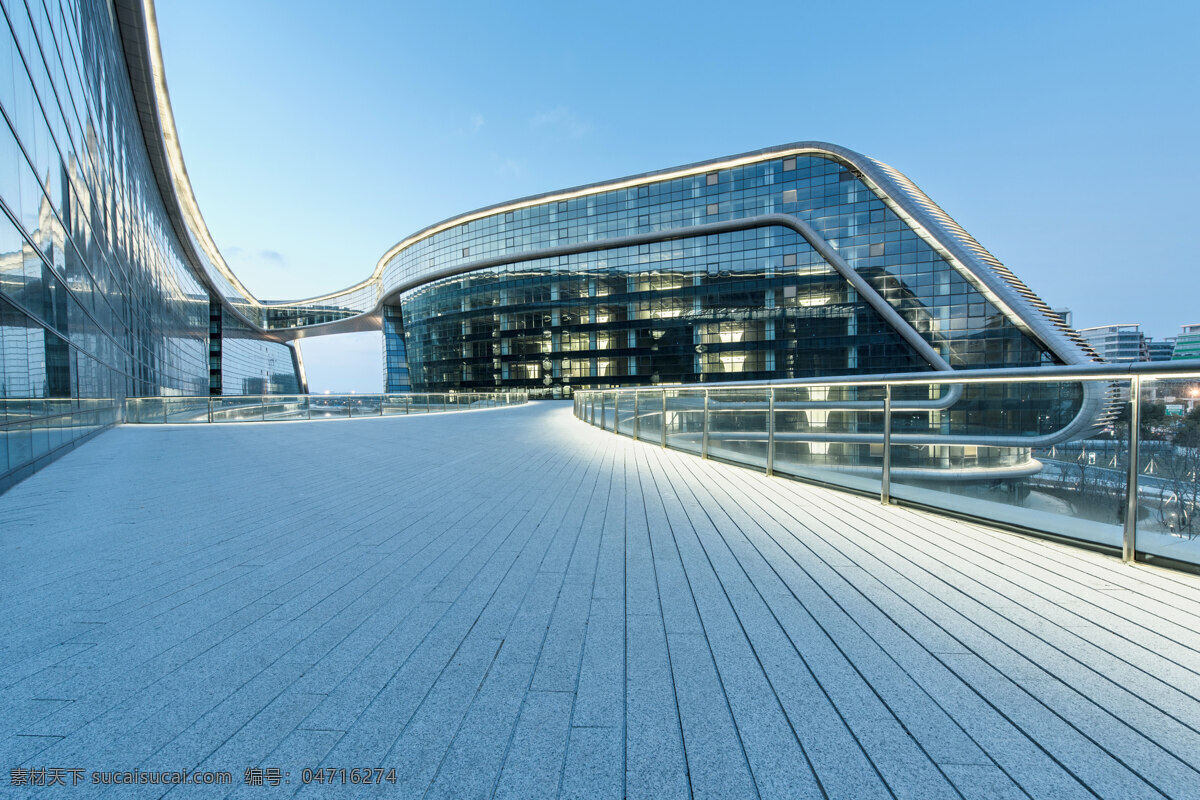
746,423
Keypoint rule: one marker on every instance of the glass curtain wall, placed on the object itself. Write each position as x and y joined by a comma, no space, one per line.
763,290
97,300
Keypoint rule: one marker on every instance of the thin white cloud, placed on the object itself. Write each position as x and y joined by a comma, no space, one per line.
273,257
509,168
561,120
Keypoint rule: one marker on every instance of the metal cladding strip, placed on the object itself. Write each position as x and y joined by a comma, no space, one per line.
956,475
298,364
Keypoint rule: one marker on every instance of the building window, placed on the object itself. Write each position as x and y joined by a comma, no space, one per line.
877,249
712,209
789,196
466,252
789,164
789,259
712,179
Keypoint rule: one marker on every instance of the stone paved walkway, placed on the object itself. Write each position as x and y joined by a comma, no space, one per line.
510,603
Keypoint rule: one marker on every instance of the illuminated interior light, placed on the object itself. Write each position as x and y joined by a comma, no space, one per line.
733,363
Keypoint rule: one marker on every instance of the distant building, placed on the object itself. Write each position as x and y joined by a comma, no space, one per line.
1187,344
1117,343
1162,350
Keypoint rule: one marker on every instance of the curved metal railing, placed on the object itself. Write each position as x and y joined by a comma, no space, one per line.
1028,448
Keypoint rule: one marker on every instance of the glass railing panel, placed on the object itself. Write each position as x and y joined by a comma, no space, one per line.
738,422
285,407
831,434
157,410
1168,521
145,410
51,425
328,406
396,404
1042,455
365,406
650,416
237,409
685,419
40,427
18,441
181,410
623,412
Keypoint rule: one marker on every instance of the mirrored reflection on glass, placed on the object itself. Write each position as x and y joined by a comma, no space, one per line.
1168,522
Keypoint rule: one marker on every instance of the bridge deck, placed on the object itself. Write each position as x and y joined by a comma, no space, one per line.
510,603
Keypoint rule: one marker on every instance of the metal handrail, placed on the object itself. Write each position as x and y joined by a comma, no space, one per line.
1060,372
706,402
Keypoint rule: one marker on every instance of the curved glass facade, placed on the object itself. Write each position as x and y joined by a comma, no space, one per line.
99,300
750,304
747,304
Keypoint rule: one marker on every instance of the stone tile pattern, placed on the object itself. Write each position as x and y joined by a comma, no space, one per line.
510,603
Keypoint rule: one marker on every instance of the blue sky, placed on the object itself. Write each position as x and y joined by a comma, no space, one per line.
1062,135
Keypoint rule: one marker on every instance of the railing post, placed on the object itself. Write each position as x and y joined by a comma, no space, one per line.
885,483
704,439
617,413
1129,540
382,399
307,407
637,420
602,404
262,404
664,417
771,434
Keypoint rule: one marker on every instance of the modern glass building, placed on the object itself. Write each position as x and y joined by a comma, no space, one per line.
1187,343
1118,343
801,260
